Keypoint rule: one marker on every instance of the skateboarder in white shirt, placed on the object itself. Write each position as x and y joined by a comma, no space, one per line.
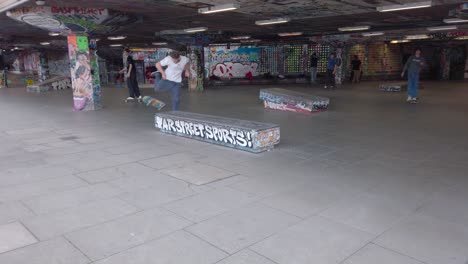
170,80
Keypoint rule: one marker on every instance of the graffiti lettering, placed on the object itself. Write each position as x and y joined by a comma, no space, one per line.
226,136
234,70
78,10
61,84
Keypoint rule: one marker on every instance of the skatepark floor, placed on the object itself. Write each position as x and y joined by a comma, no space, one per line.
371,180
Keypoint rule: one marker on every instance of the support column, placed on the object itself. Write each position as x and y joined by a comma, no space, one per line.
196,69
86,88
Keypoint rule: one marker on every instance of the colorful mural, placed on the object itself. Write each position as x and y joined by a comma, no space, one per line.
232,62
81,74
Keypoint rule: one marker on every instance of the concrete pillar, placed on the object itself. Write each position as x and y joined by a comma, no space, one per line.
196,69
85,80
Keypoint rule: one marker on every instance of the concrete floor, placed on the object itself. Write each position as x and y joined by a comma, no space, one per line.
373,180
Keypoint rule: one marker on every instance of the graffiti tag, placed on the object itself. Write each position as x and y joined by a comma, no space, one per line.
227,136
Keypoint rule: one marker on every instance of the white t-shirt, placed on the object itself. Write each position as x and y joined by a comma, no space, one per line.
174,70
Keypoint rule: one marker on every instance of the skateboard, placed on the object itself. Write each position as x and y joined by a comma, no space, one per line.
150,101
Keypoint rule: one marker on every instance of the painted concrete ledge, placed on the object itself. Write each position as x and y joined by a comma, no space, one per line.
53,84
234,133
286,100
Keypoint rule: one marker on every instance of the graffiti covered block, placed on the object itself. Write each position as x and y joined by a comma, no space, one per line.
286,100
234,133
393,87
53,84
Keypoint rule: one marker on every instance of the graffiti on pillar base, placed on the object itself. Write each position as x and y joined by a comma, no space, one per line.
80,73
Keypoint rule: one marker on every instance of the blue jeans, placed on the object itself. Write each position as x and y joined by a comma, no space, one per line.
313,74
168,86
413,82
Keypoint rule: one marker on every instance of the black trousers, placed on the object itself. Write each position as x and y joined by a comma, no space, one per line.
133,89
330,78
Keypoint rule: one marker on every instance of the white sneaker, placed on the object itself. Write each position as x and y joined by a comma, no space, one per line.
326,87
409,99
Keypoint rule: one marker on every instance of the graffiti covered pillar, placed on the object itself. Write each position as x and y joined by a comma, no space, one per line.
95,73
196,69
85,98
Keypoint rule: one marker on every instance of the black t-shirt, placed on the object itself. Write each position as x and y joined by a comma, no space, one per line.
356,65
130,61
313,61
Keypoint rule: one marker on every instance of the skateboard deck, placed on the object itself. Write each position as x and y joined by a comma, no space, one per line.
150,101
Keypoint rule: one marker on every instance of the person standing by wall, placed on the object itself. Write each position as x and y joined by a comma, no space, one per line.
413,65
356,66
313,68
170,80
331,71
132,82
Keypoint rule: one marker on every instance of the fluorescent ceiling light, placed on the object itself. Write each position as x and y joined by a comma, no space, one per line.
291,34
45,43
250,40
116,38
272,21
422,36
218,8
357,28
115,45
371,34
399,41
462,38
197,29
54,34
390,8
442,28
9,4
240,37
159,43
455,20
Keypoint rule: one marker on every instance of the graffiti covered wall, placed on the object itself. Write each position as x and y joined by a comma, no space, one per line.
233,62
59,63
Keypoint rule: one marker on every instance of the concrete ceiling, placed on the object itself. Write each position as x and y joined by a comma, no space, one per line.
313,17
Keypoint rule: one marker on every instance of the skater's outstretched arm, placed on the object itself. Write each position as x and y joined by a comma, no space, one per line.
187,70
161,70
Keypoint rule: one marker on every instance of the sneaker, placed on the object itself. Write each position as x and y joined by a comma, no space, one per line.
409,99
139,98
325,87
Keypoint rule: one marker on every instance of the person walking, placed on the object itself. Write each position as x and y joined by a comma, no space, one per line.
356,66
132,82
331,71
313,68
413,65
170,80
